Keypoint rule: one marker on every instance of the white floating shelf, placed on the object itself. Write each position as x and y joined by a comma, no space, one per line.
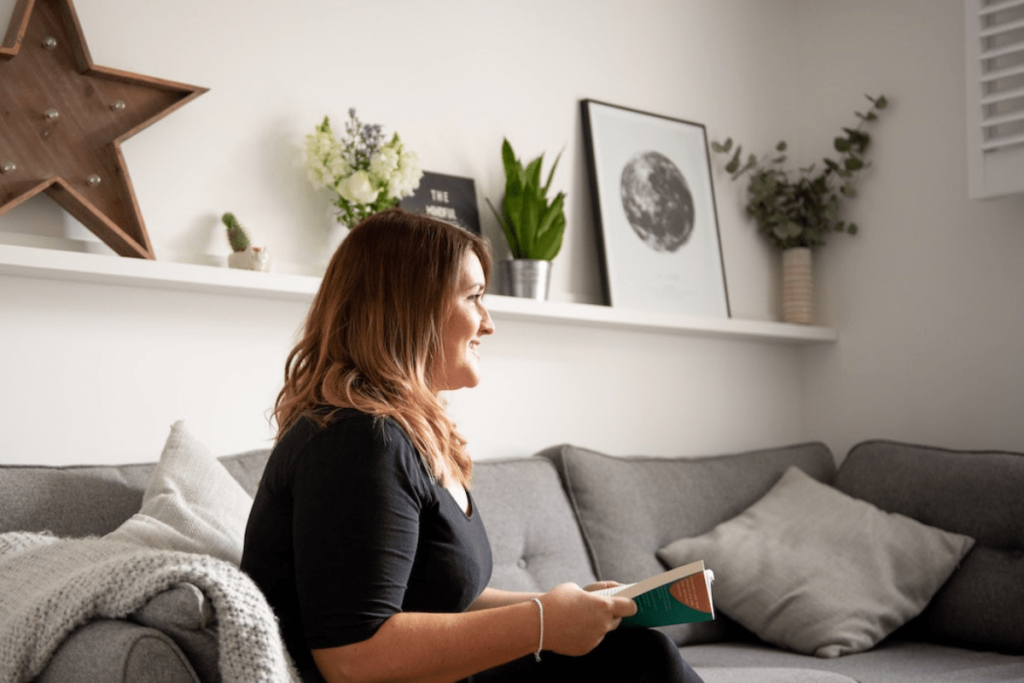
32,262
605,316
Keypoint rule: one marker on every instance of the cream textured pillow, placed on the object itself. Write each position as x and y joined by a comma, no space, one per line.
192,503
811,569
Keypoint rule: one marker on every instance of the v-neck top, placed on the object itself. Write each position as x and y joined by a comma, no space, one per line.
347,529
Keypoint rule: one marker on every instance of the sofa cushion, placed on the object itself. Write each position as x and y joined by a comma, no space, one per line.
769,675
535,541
977,493
191,503
247,468
814,570
62,499
893,661
629,507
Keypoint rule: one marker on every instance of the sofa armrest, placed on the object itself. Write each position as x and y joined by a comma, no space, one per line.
118,651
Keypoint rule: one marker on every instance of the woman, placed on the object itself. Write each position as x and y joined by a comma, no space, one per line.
363,534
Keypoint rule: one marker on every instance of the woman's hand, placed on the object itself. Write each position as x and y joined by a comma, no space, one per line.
575,620
601,585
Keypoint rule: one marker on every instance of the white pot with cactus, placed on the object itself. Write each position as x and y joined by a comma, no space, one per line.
243,254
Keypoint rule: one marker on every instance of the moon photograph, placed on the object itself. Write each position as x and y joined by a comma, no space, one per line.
657,201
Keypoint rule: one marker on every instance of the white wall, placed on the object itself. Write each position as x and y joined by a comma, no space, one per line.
928,298
97,373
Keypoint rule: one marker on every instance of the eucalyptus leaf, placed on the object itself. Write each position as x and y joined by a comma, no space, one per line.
734,163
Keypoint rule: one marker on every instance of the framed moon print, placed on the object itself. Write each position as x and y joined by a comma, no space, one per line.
654,209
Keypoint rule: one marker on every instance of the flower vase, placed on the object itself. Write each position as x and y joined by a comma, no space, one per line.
797,286
337,231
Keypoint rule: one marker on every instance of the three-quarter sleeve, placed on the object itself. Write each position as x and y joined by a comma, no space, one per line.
358,491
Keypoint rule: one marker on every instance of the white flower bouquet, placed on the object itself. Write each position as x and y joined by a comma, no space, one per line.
364,173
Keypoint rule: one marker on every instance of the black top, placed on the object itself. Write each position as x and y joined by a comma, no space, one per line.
347,529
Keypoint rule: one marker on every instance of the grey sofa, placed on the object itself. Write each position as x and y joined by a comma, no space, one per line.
571,514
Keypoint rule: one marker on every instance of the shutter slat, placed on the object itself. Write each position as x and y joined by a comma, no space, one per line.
999,74
1002,143
999,7
1002,96
997,29
1001,51
1011,117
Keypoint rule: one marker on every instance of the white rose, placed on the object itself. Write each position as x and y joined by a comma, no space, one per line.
357,188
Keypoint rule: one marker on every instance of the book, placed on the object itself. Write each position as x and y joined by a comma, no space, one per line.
678,596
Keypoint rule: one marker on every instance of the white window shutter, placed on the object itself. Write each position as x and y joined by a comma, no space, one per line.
995,97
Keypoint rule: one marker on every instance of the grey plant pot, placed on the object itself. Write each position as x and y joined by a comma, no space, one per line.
526,278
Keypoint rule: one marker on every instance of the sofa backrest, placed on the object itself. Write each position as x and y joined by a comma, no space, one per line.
91,500
535,541
977,493
630,507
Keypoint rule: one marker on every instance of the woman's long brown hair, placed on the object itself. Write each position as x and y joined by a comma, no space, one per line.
373,334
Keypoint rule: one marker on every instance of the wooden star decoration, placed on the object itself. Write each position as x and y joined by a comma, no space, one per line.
62,122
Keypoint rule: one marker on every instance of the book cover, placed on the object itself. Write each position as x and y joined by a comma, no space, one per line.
678,596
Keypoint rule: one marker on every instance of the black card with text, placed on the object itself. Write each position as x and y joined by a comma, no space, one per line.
447,198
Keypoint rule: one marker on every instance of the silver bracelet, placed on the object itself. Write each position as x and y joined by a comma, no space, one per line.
540,645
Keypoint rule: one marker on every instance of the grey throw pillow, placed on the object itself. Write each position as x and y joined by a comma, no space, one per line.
811,569
192,503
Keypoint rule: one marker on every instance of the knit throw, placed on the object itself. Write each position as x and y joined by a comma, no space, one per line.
50,586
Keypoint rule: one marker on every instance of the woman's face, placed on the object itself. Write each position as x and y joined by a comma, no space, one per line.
467,322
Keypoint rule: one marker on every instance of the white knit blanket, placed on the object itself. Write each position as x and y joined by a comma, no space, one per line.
50,586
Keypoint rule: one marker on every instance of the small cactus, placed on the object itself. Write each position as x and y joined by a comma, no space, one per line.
237,236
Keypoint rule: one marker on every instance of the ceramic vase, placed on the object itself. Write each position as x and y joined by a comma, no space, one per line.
336,234
797,286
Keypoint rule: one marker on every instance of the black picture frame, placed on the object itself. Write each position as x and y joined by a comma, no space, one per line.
655,216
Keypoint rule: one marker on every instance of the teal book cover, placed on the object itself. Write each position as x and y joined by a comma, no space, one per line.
678,596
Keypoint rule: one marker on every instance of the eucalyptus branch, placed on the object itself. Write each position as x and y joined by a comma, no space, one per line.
799,208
